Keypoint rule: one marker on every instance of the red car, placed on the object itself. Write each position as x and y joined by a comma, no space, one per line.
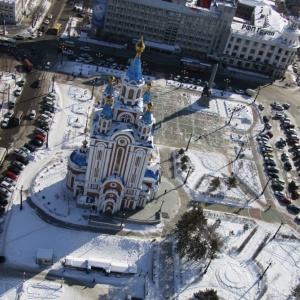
12,175
270,134
40,137
285,200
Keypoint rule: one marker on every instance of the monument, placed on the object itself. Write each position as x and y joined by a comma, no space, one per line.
206,93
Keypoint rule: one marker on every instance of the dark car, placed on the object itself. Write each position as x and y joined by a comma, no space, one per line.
23,160
44,126
288,166
36,84
294,208
2,210
265,119
30,147
272,169
2,259
36,142
270,163
272,175
277,187
3,202
14,169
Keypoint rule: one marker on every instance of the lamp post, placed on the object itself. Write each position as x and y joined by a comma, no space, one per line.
256,95
265,186
188,144
94,81
242,145
62,281
53,80
21,200
234,110
187,175
227,81
264,272
99,55
281,224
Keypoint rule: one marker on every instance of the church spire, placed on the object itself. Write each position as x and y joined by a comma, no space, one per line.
134,72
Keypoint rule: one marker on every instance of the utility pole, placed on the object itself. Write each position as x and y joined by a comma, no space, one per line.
240,151
234,110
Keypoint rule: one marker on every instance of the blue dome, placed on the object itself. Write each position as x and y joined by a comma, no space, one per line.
79,158
135,70
147,117
147,97
109,90
106,112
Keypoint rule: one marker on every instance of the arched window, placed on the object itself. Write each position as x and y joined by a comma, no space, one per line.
126,118
118,160
144,130
138,94
99,155
123,91
104,123
130,94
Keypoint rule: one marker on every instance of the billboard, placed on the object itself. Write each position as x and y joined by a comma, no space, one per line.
99,11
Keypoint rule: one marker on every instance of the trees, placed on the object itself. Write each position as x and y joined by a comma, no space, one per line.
206,295
196,240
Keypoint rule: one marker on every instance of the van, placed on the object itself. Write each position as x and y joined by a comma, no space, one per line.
18,118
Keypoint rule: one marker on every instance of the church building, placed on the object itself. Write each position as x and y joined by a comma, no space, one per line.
119,168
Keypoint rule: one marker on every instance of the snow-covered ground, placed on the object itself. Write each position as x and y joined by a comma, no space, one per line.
234,274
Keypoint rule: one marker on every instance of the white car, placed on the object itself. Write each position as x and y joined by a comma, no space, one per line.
39,33
7,186
49,16
48,65
88,60
68,52
240,91
4,123
18,92
32,114
46,22
33,36
5,192
85,48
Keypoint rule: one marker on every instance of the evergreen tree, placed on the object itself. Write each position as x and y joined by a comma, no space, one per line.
206,295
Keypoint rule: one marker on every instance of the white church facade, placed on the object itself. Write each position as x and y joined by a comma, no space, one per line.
118,169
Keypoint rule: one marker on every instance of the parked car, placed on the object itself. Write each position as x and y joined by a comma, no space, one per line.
277,187
40,137
5,123
32,115
40,131
10,181
294,208
285,200
273,169
7,186
85,48
286,105
88,60
19,152
270,163
18,165
36,142
46,22
12,175
284,156
278,181
25,150
279,194
48,65
14,169
265,119
270,134
272,175
68,52
4,192
279,116
19,37
288,166
30,147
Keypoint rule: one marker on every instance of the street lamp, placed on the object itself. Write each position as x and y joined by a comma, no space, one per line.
62,281
266,186
242,145
21,200
281,224
94,81
233,111
187,175
53,80
188,144
99,55
227,81
264,272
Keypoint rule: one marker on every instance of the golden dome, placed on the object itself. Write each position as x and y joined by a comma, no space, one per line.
149,85
140,47
150,106
109,98
111,79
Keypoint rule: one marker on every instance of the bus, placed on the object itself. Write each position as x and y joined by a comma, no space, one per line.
28,65
194,64
56,29
7,42
3,153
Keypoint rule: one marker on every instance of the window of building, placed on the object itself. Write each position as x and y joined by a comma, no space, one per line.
250,57
260,52
130,94
123,91
252,51
247,65
118,160
244,49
